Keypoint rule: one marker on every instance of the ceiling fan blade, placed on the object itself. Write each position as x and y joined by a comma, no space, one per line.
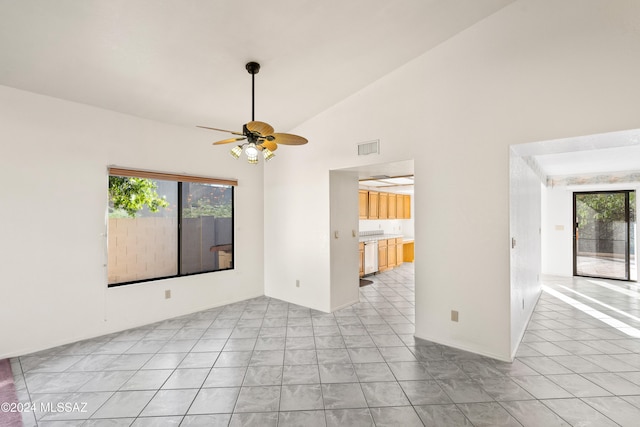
260,127
228,141
221,130
288,139
270,145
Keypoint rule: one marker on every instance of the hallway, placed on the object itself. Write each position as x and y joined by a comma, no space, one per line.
263,362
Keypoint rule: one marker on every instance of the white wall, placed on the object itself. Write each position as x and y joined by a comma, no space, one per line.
525,228
53,164
557,231
533,71
345,283
297,232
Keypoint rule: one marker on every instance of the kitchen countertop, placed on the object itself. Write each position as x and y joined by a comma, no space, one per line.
377,237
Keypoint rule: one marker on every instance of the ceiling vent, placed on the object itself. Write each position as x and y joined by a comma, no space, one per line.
369,147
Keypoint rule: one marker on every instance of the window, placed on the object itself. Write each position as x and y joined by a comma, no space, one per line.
164,225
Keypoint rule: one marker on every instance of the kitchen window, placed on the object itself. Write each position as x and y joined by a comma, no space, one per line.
164,225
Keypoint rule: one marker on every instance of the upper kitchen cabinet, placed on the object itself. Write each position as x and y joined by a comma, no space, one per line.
383,205
399,206
392,206
373,204
407,206
363,204
379,205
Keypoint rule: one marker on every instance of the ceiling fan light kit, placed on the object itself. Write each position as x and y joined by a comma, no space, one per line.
260,136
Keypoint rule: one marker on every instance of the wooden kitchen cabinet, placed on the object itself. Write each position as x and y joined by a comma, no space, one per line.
408,251
399,206
407,206
392,206
383,205
361,250
379,205
399,251
392,254
363,203
382,255
373,204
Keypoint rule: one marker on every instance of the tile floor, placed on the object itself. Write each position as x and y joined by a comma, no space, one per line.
264,362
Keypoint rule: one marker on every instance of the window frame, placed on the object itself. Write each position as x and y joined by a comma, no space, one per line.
179,179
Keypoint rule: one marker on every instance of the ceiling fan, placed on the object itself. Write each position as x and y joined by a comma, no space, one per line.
260,136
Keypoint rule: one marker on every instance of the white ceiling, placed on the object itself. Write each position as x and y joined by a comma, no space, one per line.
394,185
183,62
606,160
599,153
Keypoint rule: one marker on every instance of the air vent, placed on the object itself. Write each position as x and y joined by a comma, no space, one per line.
369,147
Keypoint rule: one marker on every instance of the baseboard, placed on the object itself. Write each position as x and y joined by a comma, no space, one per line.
524,330
345,305
72,340
466,348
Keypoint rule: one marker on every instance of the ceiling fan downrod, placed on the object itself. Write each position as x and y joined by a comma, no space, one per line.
253,68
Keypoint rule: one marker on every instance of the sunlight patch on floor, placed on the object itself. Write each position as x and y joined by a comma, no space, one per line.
628,292
607,306
621,326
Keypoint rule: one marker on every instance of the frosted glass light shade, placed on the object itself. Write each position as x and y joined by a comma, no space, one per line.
251,150
236,151
268,154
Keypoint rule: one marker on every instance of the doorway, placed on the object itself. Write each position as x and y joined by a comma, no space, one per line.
604,235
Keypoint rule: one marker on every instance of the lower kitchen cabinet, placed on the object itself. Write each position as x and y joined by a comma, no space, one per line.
382,255
408,254
392,253
395,255
399,251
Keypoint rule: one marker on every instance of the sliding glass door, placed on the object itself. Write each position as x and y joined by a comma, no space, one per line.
604,234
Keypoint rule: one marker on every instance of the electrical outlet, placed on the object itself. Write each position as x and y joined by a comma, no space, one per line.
454,316
167,294
297,283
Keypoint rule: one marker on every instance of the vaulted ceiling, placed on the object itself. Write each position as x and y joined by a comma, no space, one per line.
183,62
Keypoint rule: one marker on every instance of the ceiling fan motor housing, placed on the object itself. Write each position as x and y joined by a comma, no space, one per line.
253,67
